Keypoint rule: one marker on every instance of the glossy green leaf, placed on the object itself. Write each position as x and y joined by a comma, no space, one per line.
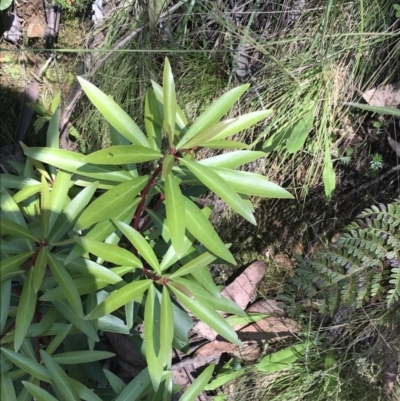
199,226
224,144
66,283
39,269
134,390
39,393
201,261
203,277
249,318
27,192
151,335
282,359
115,382
10,208
168,163
119,298
72,161
17,182
5,298
7,391
68,218
53,108
15,229
208,315
76,357
122,154
47,321
175,210
169,102
24,394
28,365
110,253
58,340
166,328
153,129
252,184
198,385
140,244
216,184
233,159
328,175
83,325
181,121
299,131
227,128
58,194
59,378
109,205
213,113
9,267
85,393
226,375
25,310
114,114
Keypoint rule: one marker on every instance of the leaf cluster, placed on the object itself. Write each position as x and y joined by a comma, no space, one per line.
89,245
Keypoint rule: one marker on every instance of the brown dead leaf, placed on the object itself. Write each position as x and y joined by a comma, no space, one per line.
212,351
386,96
243,289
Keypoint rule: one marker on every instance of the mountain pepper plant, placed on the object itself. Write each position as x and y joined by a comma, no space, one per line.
103,242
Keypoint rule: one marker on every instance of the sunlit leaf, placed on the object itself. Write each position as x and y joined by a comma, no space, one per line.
198,385
224,144
13,228
17,182
208,315
203,260
58,195
168,163
389,111
153,129
10,208
39,269
175,210
200,227
169,102
134,390
114,114
109,252
328,175
232,159
59,378
166,328
142,246
213,113
109,205
216,184
122,154
253,317
76,357
119,298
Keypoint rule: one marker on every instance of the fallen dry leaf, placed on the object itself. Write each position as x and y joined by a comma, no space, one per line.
386,96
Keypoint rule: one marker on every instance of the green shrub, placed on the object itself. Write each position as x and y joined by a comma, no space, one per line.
98,243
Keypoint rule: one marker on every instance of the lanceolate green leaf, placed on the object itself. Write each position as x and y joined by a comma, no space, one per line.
225,144
58,194
39,393
109,205
17,182
213,114
59,378
198,385
175,209
216,184
5,298
152,333
9,207
39,269
9,267
208,315
114,114
169,102
15,229
153,128
328,174
66,283
232,159
109,252
122,154
28,365
166,328
45,207
58,339
299,131
7,391
72,161
116,383
68,218
140,244
195,264
252,184
227,128
134,390
199,226
168,163
76,357
119,298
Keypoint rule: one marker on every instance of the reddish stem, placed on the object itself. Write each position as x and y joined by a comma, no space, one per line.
144,194
7,330
147,219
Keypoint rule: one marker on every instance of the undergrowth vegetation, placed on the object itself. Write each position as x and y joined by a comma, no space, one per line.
124,233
